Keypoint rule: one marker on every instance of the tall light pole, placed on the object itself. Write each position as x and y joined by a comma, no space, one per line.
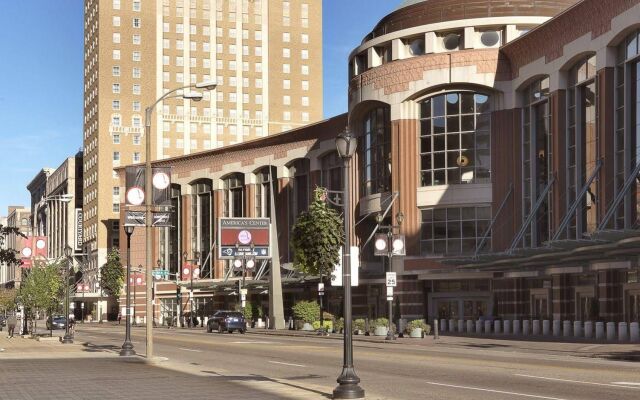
68,252
348,382
245,262
127,347
149,201
194,271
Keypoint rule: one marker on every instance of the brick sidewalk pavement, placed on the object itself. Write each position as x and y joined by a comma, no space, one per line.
48,370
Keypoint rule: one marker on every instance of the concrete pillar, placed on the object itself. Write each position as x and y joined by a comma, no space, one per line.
469,326
496,326
487,327
507,327
611,331
635,332
516,327
546,327
443,325
451,325
556,327
566,329
599,330
577,328
526,327
478,326
461,326
623,335
588,329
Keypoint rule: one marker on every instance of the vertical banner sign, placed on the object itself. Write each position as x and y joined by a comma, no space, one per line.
79,232
336,274
135,191
161,181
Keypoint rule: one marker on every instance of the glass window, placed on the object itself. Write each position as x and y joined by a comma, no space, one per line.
234,196
263,191
298,188
375,152
454,230
455,136
202,223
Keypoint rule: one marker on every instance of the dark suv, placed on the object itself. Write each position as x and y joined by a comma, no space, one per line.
228,321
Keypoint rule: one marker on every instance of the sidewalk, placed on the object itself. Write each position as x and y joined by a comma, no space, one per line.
508,343
50,370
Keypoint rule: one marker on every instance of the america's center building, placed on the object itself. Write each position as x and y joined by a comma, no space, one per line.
506,134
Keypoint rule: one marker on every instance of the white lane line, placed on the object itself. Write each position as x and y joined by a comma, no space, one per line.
253,342
284,363
195,351
614,384
494,391
626,383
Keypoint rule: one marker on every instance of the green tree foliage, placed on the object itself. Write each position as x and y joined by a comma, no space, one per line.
42,289
306,311
318,236
8,256
112,274
7,300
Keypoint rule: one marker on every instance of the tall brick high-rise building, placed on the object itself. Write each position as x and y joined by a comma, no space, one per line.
266,56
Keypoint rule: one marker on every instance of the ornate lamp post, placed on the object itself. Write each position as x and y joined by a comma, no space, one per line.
127,347
348,381
68,252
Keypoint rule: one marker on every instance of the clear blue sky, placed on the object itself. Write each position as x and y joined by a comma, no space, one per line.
41,80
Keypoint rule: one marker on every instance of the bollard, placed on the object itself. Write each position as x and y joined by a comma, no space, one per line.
516,327
478,327
469,326
496,326
635,332
443,325
436,335
535,327
599,330
611,331
556,327
588,329
487,327
526,326
506,327
546,327
451,326
461,326
566,329
623,336
577,328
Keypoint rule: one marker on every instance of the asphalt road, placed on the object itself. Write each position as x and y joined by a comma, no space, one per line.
389,371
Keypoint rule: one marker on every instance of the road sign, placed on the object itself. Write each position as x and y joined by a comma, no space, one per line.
391,279
160,273
138,218
390,293
321,289
244,237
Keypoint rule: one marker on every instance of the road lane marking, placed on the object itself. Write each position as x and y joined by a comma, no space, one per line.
195,351
626,383
614,384
284,363
494,391
253,342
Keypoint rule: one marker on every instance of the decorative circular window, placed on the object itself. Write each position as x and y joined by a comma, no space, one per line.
490,38
416,47
451,41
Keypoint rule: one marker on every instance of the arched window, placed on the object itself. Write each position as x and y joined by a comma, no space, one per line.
265,181
627,126
582,145
201,223
234,195
455,139
298,188
536,160
332,173
375,152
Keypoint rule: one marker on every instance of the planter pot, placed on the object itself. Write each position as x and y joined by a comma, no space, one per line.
307,327
381,331
358,332
416,333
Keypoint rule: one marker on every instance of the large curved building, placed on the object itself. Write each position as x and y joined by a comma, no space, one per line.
499,137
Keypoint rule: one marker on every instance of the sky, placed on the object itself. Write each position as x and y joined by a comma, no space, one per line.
41,80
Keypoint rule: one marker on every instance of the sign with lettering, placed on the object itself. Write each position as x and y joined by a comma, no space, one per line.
244,237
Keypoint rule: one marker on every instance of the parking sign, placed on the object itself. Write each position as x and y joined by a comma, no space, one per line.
391,279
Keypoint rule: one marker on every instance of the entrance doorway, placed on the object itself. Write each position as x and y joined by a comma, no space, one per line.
467,309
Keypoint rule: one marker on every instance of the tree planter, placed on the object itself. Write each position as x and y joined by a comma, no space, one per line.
381,331
307,327
416,333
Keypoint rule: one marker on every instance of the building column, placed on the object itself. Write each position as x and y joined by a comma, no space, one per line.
610,295
562,297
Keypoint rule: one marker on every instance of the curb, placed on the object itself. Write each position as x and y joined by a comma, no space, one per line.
356,338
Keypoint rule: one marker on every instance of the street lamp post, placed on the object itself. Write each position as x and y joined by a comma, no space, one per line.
389,245
348,382
68,251
196,96
135,292
193,272
244,263
127,347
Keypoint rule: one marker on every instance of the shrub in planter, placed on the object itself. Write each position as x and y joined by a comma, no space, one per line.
339,325
418,323
328,325
358,324
306,311
380,323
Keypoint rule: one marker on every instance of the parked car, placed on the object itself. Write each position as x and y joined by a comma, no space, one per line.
59,322
227,321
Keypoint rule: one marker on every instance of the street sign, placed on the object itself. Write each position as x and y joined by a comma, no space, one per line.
390,293
138,218
391,279
160,273
321,289
244,237
244,291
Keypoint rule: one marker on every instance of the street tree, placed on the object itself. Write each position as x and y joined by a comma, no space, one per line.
42,288
7,300
7,255
317,237
112,274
